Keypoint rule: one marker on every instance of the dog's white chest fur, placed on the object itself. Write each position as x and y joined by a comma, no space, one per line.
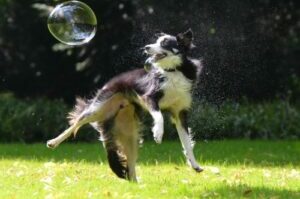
177,91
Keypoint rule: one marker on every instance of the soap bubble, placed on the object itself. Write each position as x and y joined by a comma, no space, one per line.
72,23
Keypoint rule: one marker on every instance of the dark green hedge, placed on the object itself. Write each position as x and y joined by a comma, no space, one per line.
41,119
30,120
270,120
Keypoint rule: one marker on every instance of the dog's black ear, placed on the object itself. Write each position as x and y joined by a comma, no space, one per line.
185,38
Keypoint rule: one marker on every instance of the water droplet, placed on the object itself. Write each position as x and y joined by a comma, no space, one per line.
121,6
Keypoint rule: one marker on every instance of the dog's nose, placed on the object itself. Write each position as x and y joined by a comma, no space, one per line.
147,47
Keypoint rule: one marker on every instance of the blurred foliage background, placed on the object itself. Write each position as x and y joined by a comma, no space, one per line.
250,86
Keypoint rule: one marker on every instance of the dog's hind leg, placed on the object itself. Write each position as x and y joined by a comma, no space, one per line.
97,111
59,139
127,130
131,149
71,130
186,139
122,148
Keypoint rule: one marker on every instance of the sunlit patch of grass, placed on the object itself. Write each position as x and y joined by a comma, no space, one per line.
236,169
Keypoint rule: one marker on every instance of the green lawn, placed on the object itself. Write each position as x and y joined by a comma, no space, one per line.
233,169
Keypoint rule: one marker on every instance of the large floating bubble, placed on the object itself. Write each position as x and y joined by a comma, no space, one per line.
72,23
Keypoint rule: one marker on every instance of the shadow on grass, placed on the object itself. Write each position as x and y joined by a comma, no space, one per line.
258,153
241,191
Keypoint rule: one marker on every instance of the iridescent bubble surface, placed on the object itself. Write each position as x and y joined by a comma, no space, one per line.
72,23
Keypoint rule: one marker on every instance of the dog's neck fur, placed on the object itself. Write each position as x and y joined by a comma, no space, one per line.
189,67
169,62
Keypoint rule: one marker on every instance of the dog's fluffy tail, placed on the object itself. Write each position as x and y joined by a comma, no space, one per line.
80,106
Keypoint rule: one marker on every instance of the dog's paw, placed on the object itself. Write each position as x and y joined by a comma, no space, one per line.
158,140
195,166
158,132
198,169
52,144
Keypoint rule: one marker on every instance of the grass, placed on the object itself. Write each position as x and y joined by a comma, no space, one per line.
233,169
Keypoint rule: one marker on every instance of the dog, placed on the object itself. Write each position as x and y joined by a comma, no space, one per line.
165,83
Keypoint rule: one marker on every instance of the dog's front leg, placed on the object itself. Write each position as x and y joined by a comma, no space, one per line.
158,126
186,140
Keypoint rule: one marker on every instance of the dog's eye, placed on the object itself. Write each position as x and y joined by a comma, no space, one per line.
164,42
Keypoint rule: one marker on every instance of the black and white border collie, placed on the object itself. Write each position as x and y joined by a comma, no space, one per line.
165,83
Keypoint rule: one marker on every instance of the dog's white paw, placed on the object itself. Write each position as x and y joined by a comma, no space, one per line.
52,144
158,132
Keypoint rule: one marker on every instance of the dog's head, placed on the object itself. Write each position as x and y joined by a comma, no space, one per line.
168,50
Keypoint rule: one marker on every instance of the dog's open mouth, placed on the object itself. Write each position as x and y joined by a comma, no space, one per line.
159,56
